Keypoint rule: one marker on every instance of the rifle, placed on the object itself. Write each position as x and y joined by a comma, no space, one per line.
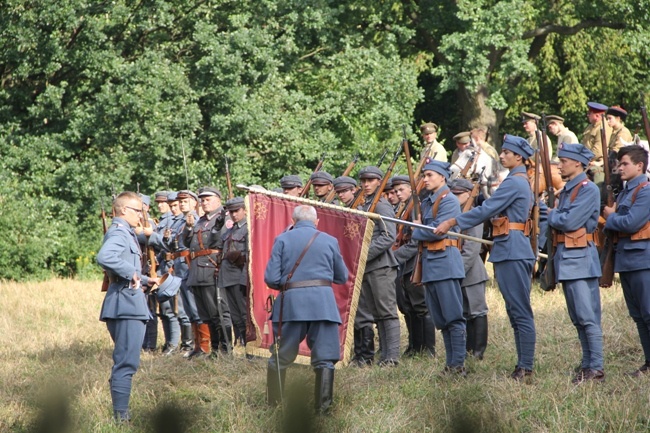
644,115
607,253
416,275
470,162
330,195
384,181
228,182
534,234
474,193
151,254
382,157
319,166
105,281
548,277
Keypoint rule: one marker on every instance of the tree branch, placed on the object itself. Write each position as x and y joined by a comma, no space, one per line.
566,30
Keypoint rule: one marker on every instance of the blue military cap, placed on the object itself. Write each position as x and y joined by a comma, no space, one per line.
460,185
371,172
575,151
290,181
235,203
145,199
206,191
400,179
342,183
596,107
186,193
168,288
517,145
439,167
321,178
161,196
172,196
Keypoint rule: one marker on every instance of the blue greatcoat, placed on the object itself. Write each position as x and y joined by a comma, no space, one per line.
124,309
576,263
512,256
629,218
579,268
306,311
120,257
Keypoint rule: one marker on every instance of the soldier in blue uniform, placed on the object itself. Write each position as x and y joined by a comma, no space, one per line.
233,275
475,307
411,297
629,219
150,341
511,254
179,254
442,265
378,286
203,238
303,265
577,266
125,309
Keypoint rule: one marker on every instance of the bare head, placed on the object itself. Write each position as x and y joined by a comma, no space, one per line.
304,213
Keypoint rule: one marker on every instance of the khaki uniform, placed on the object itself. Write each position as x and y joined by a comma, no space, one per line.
532,140
567,136
591,140
438,150
490,150
618,137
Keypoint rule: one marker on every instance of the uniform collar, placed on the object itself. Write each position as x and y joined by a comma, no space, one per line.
300,224
631,184
518,169
122,223
211,215
443,190
576,180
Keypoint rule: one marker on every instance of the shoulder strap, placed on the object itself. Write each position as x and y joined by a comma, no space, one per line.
436,205
302,255
574,193
636,190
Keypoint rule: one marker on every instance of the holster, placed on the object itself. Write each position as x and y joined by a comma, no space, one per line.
501,226
642,234
237,258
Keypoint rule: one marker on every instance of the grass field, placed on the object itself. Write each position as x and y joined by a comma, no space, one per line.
56,358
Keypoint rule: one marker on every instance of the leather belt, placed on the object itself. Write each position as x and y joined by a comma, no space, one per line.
559,238
177,254
517,226
307,283
201,253
441,244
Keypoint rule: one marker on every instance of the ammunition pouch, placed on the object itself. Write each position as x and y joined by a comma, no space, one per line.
441,245
575,239
501,226
237,258
641,235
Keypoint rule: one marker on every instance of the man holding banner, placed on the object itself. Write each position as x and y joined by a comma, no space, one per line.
306,306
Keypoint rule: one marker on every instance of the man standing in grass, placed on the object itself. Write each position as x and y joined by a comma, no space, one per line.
629,219
511,254
577,265
125,308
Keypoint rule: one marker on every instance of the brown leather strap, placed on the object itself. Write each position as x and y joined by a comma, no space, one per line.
302,255
307,283
517,226
559,238
201,253
177,254
442,244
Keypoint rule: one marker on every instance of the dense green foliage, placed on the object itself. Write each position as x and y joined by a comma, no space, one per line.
102,94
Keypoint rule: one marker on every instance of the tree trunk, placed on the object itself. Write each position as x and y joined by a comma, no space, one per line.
476,113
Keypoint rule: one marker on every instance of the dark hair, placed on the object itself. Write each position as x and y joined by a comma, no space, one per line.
636,154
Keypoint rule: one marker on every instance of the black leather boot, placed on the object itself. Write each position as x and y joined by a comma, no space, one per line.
470,343
186,337
412,328
480,336
428,335
274,385
367,345
324,390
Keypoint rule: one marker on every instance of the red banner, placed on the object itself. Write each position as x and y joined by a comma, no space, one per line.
269,216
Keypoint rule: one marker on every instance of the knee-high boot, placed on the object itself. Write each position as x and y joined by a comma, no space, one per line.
428,335
480,336
415,342
470,343
324,389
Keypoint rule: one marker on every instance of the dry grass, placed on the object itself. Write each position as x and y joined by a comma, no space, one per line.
57,356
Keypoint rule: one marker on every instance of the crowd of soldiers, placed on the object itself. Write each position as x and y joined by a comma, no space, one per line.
423,270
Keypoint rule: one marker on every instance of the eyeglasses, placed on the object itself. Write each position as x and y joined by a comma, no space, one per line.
136,210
